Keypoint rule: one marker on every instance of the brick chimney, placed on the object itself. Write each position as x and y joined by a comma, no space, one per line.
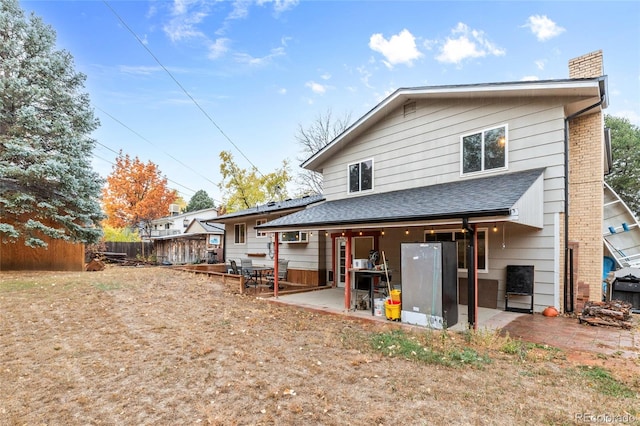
586,66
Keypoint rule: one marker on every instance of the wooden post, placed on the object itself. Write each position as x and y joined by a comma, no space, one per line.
276,255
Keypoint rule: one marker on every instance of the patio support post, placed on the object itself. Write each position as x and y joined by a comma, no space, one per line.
275,264
472,276
347,275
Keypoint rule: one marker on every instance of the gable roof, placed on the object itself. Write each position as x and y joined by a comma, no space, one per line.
273,207
201,225
583,91
481,197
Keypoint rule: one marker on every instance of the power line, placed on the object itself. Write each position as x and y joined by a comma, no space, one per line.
168,180
180,86
155,146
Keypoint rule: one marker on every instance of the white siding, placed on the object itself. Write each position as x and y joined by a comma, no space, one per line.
300,255
424,149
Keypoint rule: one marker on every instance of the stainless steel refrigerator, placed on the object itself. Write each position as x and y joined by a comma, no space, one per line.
429,284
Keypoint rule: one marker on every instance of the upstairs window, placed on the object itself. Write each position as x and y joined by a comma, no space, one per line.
361,176
485,150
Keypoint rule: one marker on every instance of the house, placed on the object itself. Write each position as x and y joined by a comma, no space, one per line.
512,172
304,250
191,237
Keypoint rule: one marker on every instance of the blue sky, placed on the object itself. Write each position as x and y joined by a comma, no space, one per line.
261,69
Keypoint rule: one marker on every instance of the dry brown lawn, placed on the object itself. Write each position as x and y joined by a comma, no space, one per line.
155,346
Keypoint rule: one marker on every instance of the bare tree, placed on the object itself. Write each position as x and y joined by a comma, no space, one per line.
324,128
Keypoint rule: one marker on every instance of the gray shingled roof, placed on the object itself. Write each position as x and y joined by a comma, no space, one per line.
272,207
487,196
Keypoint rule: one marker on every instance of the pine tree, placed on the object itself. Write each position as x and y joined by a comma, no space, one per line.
200,201
624,176
47,185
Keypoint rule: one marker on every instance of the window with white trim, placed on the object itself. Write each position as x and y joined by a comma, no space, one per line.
259,233
463,239
360,176
239,233
484,150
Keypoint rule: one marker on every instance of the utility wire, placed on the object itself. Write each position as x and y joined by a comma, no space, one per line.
168,180
180,86
155,146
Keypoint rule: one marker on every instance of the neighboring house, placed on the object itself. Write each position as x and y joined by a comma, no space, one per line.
191,237
503,162
304,250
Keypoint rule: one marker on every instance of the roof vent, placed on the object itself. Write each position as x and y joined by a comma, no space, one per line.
409,108
271,203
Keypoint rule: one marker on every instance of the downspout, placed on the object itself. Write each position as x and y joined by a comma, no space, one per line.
566,201
471,275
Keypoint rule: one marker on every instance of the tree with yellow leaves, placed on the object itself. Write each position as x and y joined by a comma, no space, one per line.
243,189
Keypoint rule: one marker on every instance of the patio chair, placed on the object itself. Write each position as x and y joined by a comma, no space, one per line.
234,267
282,273
246,265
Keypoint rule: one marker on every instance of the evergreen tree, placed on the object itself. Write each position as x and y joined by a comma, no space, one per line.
624,177
47,186
200,201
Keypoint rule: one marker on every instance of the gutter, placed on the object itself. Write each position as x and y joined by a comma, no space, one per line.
566,199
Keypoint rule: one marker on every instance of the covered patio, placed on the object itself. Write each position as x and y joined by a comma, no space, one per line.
331,301
388,218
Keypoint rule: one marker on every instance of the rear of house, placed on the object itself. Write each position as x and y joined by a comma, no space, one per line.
502,161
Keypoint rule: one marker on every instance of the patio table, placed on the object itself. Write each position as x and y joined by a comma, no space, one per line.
259,271
372,274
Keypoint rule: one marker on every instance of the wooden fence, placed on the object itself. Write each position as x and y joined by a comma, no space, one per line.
133,250
58,256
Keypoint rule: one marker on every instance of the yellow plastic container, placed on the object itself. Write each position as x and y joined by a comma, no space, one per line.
395,295
392,310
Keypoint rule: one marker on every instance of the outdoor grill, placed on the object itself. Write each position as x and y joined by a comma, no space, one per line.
627,288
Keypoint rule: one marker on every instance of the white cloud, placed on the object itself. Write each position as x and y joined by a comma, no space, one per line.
399,49
365,75
186,15
279,5
139,70
316,88
530,78
282,91
466,43
543,28
240,10
326,76
218,48
245,58
540,64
